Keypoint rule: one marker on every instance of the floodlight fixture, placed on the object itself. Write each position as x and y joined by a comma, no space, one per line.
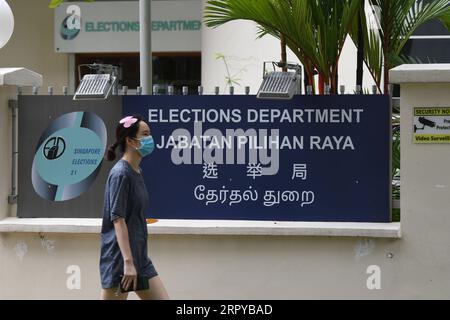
98,85
280,85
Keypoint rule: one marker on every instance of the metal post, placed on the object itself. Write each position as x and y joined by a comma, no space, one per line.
35,90
391,90
185,90
358,89
125,90
217,91
65,90
342,89
231,90
374,89
72,68
309,90
50,90
170,90
115,88
13,104
145,38
139,91
200,90
247,90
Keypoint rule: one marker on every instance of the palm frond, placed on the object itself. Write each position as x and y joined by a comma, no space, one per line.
315,30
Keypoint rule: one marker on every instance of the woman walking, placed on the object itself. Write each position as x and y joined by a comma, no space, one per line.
124,262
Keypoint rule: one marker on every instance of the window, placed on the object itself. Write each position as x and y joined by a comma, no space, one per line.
429,44
177,69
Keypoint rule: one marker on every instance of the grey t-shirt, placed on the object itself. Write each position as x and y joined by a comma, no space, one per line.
126,197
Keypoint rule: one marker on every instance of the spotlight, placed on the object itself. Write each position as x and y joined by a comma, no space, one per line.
278,85
97,86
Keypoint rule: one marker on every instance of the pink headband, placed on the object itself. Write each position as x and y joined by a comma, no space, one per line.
128,121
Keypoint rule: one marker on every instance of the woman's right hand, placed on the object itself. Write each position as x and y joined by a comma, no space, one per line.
129,279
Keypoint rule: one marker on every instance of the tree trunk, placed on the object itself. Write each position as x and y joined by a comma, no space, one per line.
335,79
321,84
311,83
360,58
309,74
386,76
387,30
283,51
306,81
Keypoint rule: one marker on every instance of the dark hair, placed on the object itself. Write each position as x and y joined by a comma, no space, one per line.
121,134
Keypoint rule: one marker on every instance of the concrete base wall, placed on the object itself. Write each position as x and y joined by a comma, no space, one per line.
221,267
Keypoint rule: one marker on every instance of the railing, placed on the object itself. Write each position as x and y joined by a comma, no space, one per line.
170,90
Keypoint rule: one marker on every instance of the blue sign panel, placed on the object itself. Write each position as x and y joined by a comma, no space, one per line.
313,158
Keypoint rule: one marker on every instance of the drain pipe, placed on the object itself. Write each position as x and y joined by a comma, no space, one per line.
14,106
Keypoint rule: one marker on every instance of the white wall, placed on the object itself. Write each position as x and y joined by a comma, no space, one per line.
246,54
31,45
211,267
347,69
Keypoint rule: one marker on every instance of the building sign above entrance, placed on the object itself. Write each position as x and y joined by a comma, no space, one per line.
113,26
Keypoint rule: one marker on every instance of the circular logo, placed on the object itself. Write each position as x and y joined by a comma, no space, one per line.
69,156
68,30
54,148
6,23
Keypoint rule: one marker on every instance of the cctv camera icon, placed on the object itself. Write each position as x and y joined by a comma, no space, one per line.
426,123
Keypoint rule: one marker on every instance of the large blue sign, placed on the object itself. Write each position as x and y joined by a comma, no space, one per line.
313,158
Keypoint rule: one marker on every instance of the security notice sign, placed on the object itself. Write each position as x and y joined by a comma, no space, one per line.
431,125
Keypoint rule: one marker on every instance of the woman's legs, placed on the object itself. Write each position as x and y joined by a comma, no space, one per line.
157,290
110,294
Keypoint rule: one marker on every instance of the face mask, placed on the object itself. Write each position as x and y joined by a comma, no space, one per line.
147,146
